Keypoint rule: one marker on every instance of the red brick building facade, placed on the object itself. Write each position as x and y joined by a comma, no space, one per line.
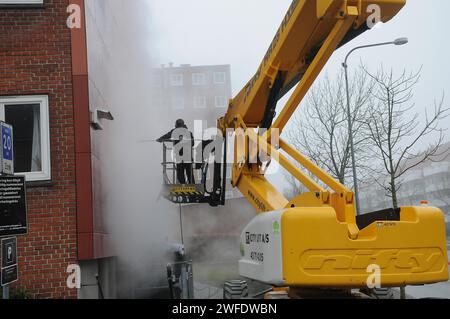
41,56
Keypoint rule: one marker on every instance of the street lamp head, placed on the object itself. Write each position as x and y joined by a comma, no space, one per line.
401,41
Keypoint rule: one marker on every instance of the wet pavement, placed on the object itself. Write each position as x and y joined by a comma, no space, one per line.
440,290
203,291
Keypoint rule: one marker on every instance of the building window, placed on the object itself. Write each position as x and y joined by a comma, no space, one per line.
156,81
198,79
178,103
29,117
221,101
176,79
200,102
219,77
21,2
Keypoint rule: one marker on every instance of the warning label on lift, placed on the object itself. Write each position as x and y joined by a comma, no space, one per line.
186,190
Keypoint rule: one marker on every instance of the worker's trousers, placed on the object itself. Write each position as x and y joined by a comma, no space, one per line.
183,170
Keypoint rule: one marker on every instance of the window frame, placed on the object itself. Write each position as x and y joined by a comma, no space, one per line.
217,99
178,106
200,75
46,173
177,83
23,3
198,106
224,74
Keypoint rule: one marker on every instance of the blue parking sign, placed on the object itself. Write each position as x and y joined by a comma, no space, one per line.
7,143
7,149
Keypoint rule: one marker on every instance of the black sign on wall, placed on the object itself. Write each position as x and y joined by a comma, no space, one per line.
9,252
9,269
13,206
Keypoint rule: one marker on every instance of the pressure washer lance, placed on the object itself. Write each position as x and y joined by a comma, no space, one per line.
181,226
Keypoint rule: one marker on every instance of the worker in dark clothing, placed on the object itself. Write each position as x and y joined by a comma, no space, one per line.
181,134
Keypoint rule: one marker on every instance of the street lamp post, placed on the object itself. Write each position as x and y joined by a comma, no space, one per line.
400,41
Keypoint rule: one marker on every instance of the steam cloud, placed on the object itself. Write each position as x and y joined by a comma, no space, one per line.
139,224
127,169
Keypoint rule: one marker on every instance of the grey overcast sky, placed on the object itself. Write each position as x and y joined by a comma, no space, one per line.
238,32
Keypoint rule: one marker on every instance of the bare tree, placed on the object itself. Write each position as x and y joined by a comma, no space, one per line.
295,188
396,131
320,128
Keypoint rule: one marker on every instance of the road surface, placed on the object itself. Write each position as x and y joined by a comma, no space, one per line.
441,290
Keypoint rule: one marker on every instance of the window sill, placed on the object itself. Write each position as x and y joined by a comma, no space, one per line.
21,6
39,184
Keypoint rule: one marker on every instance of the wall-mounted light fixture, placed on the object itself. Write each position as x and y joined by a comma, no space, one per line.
99,114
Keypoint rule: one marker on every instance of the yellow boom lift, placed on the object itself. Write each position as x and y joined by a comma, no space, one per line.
315,240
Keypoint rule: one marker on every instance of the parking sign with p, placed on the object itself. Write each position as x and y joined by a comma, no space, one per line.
9,269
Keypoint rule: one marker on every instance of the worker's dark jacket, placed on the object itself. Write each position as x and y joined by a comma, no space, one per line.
172,135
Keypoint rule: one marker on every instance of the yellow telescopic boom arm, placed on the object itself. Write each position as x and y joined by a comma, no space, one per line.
310,32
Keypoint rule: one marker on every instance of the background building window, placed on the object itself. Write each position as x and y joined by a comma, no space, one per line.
29,117
156,81
198,79
219,77
176,79
200,102
221,101
178,103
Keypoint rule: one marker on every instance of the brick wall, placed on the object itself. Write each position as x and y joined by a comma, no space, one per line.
35,58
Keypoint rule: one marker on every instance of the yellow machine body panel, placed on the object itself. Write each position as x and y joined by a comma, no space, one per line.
318,252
